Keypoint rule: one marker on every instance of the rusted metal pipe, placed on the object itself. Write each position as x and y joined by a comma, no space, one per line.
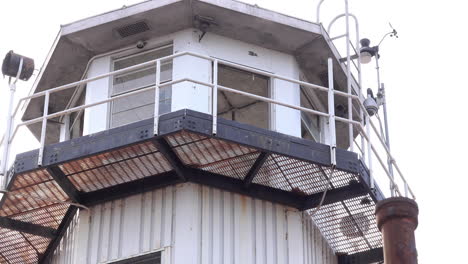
397,218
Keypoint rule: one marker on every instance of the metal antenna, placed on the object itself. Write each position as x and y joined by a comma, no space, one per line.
392,33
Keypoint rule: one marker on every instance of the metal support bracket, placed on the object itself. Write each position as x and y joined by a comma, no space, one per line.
62,229
64,183
262,158
171,157
26,227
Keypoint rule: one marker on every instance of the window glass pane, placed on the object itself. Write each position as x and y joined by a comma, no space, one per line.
242,108
77,118
140,106
142,78
309,123
141,57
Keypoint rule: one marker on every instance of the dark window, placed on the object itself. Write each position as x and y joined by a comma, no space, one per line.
310,123
77,118
241,108
152,258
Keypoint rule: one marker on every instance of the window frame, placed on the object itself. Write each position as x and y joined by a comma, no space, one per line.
304,91
163,253
126,55
80,95
270,87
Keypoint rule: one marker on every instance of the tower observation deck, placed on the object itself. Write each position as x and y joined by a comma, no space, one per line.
196,132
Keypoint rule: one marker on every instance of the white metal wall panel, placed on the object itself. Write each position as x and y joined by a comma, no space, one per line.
198,97
66,247
200,224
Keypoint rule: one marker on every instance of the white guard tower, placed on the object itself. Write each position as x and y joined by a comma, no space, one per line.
190,132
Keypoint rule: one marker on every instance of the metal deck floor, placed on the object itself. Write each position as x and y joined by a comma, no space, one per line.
243,159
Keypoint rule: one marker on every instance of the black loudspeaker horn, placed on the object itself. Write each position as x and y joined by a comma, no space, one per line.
11,63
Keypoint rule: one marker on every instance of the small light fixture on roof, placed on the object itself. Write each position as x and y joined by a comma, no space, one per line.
203,23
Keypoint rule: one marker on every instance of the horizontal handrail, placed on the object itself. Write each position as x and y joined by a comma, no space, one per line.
224,88
269,100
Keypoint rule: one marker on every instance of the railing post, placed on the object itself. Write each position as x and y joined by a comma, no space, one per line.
331,113
348,81
214,96
369,153
156,98
43,129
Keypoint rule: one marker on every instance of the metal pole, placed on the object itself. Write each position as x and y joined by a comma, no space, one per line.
6,138
361,112
387,137
377,68
331,113
381,89
369,153
9,119
43,129
348,77
156,98
214,96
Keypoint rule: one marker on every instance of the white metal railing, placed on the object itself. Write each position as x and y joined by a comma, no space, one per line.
349,45
364,131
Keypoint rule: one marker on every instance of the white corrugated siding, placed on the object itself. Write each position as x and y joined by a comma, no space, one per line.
200,224
65,249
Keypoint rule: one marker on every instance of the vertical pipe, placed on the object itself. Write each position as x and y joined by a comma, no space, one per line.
9,119
397,219
156,98
214,96
44,128
387,138
331,113
377,68
369,152
348,77
361,112
7,136
381,90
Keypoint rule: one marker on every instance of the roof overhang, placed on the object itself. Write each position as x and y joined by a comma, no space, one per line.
79,41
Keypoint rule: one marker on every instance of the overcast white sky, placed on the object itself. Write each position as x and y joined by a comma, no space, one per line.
423,71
